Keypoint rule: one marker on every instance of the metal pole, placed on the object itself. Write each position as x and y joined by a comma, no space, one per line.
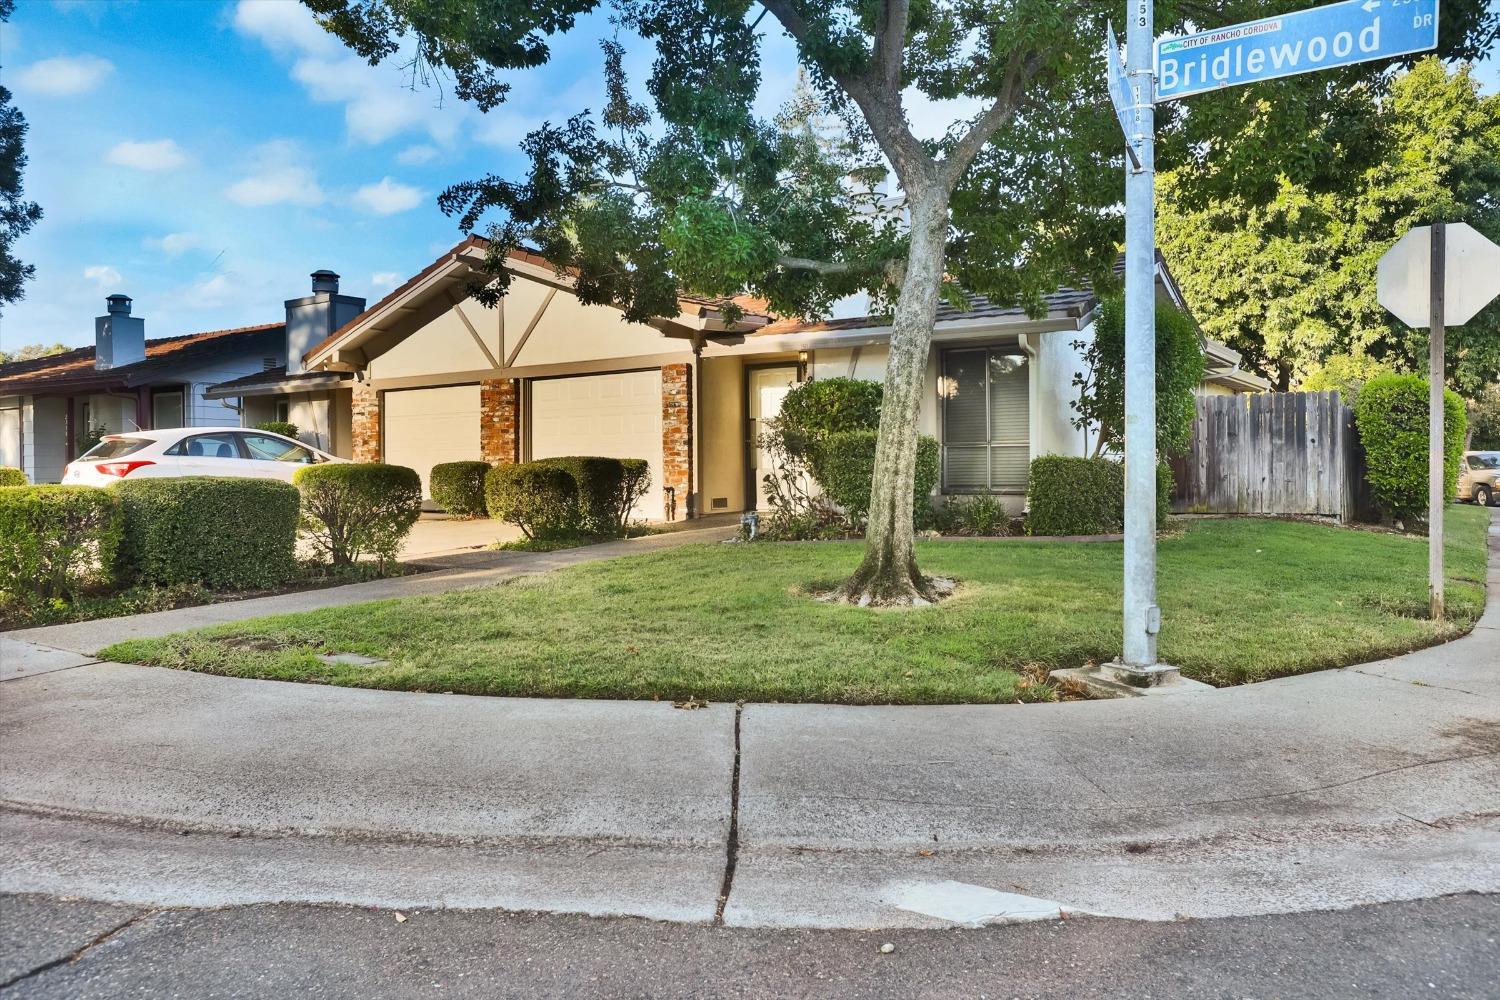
1437,484
1142,618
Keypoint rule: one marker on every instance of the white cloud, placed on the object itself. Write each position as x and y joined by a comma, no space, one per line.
172,244
283,26
279,178
163,154
388,197
104,277
212,292
382,281
64,76
415,156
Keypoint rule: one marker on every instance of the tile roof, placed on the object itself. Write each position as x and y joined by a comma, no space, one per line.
1073,301
74,371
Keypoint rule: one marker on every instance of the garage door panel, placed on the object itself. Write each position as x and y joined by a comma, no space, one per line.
614,416
425,427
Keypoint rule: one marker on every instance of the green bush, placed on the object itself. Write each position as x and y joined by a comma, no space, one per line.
458,487
11,476
843,464
1391,415
816,409
1165,484
56,540
1074,496
283,427
540,498
354,509
220,533
981,516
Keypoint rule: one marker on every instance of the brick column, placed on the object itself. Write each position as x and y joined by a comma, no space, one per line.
364,424
677,436
499,424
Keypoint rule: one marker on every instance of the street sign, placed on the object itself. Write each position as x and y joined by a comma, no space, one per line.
1339,34
1122,95
1403,282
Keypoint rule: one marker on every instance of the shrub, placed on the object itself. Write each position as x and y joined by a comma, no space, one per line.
1391,414
355,509
980,516
843,464
1074,496
599,483
814,410
11,476
55,540
283,427
217,532
1165,484
540,498
458,487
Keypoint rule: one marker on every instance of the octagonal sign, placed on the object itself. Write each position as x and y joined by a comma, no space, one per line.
1471,278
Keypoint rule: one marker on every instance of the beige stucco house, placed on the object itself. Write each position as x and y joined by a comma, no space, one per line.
429,375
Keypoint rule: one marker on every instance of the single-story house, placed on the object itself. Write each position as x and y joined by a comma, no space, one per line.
430,375
53,406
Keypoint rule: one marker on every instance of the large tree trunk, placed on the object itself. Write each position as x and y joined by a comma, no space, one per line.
888,574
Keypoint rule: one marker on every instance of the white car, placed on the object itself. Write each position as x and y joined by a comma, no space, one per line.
192,451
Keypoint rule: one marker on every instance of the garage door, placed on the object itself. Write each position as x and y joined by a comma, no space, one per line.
425,427
614,416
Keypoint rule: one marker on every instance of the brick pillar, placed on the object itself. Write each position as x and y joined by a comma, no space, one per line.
677,436
364,424
499,425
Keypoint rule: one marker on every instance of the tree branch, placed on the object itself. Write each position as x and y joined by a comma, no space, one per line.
1021,73
890,41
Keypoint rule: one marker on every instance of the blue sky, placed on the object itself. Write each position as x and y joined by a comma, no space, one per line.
203,157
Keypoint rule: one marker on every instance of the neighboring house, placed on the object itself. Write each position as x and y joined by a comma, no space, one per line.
50,407
430,375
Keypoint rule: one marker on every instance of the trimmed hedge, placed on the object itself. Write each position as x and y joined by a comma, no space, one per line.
354,509
283,427
843,464
540,498
11,476
458,487
56,540
1074,496
1391,414
222,533
818,408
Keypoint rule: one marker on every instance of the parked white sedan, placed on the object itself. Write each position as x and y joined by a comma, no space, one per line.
192,451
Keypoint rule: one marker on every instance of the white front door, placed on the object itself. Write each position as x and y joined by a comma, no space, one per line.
10,436
610,416
768,387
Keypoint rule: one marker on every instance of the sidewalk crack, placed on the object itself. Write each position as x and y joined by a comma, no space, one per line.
75,956
732,846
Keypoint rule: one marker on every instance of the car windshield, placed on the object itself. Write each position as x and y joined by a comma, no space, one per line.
1485,460
116,447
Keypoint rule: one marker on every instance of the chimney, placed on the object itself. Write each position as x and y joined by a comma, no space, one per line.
119,338
309,320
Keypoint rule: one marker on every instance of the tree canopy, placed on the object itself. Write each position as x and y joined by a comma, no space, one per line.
17,215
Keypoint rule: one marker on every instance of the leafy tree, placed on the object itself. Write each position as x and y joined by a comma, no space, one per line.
17,215
1290,281
1101,388
698,192
1346,373
1484,420
30,352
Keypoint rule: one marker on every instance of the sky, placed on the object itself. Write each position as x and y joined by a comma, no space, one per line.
204,156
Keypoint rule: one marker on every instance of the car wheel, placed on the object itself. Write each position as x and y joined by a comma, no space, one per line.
1484,496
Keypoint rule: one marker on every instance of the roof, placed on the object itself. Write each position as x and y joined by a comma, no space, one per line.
74,371
1071,302
273,381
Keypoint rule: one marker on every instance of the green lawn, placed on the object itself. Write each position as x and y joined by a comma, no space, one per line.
1242,600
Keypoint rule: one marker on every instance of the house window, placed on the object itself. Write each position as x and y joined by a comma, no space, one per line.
283,410
166,410
985,396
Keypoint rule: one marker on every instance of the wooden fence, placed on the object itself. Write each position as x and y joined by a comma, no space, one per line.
1272,453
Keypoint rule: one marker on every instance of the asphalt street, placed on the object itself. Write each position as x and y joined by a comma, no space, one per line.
1448,948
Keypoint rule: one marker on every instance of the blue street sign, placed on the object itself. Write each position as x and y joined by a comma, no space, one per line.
1121,95
1339,34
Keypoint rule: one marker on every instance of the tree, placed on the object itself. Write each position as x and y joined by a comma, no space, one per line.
1484,421
1290,281
17,215
29,352
697,192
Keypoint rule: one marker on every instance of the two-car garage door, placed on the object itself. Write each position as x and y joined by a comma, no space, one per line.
615,416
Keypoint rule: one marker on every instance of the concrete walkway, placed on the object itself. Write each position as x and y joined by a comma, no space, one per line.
147,786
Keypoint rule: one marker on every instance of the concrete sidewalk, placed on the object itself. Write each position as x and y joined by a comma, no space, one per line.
1327,790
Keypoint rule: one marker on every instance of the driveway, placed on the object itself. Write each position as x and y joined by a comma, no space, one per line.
439,534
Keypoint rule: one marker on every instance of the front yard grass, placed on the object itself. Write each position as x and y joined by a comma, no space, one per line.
1242,600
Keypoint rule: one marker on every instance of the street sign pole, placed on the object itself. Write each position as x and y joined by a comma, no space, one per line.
1437,483
1142,618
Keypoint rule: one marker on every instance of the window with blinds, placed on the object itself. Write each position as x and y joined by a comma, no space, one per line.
986,398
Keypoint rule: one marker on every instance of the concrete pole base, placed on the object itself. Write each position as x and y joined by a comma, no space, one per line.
1116,680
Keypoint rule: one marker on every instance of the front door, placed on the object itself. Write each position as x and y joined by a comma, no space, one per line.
767,388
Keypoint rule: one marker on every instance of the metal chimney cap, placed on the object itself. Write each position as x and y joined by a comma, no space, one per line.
118,303
325,281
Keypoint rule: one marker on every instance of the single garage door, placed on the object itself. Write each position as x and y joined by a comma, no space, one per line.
425,427
614,416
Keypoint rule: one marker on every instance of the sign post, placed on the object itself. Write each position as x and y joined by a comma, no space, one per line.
1437,276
